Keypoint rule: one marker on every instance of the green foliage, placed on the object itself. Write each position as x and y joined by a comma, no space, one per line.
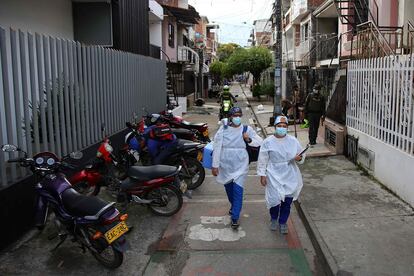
224,51
259,59
257,90
268,89
254,60
237,62
216,68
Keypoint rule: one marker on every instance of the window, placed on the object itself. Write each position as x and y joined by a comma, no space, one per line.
171,35
305,32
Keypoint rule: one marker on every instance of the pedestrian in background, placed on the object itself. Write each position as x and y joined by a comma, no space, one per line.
280,174
314,112
231,160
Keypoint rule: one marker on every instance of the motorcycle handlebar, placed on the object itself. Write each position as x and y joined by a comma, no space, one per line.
15,160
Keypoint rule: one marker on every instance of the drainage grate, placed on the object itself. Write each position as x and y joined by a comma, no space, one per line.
330,137
352,148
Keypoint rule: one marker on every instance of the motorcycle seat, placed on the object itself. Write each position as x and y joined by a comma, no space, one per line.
182,131
147,173
83,206
183,144
193,124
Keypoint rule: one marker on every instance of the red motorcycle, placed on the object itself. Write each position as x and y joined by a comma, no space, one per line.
158,187
200,129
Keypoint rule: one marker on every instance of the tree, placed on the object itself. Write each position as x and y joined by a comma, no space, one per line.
258,60
217,70
224,51
237,62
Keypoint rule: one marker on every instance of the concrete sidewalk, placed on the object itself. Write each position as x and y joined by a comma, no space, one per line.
356,225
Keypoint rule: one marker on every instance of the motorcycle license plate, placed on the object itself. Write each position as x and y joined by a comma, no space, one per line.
205,133
199,156
116,231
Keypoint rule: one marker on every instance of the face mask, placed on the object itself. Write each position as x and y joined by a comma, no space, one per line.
236,121
316,91
281,131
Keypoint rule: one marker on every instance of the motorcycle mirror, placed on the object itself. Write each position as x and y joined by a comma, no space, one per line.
9,148
236,96
76,155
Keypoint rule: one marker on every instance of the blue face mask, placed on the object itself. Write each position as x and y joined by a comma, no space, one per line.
281,131
236,121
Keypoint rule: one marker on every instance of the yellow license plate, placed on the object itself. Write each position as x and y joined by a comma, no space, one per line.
199,156
117,231
205,133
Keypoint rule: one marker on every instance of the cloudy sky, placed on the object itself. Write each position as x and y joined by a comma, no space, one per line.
235,17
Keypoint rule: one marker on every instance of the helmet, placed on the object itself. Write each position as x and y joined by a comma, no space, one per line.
155,118
234,110
226,88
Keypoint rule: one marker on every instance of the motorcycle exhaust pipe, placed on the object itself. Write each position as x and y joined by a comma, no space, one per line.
139,200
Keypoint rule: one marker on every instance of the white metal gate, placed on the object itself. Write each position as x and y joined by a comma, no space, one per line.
55,93
380,99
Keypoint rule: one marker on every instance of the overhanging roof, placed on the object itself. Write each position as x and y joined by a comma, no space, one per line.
187,16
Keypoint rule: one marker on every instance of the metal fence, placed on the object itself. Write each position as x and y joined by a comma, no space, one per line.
56,93
381,100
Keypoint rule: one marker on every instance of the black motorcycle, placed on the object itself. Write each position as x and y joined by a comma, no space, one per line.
94,224
185,153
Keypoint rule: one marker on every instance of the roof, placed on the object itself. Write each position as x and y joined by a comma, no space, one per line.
189,15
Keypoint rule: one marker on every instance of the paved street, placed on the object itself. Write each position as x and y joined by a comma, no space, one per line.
197,241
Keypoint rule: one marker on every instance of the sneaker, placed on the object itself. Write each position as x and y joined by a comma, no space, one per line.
283,229
235,224
230,212
273,225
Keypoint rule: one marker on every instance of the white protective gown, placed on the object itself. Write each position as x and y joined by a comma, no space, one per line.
230,155
276,162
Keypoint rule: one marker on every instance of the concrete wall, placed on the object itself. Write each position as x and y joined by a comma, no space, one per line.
170,51
156,33
52,17
392,167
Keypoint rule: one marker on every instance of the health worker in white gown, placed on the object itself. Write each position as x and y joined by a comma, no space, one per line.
231,160
279,173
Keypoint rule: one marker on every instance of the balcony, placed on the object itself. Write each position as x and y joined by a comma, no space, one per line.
327,50
189,57
299,9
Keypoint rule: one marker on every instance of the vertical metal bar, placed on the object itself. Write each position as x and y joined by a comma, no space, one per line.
411,116
94,95
84,98
107,88
394,101
49,104
101,118
88,92
55,95
34,132
91,111
42,92
62,94
67,92
6,96
111,89
73,133
77,65
25,92
81,96
118,91
17,92
382,98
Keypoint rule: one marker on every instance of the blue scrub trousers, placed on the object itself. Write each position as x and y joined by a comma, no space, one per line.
282,210
235,195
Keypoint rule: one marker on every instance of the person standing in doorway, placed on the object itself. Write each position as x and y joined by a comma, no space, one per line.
314,112
231,160
279,173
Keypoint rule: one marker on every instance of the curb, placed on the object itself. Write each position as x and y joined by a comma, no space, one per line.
254,113
324,254
322,250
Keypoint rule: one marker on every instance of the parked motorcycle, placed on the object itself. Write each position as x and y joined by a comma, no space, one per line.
94,224
186,154
177,122
157,187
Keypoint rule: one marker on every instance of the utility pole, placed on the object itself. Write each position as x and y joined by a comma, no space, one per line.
277,9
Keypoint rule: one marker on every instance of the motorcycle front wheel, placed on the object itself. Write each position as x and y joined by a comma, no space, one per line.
166,200
195,171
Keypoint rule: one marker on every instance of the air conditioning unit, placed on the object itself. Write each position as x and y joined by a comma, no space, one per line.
334,136
366,158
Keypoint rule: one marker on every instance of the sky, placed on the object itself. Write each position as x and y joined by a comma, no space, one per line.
235,17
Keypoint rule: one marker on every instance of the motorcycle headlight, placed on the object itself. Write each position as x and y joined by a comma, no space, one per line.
226,105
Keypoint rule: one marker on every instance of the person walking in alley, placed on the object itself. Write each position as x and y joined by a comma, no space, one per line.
279,173
314,112
231,160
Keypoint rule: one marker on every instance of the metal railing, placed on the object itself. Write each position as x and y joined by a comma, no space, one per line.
188,55
55,93
410,37
327,48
